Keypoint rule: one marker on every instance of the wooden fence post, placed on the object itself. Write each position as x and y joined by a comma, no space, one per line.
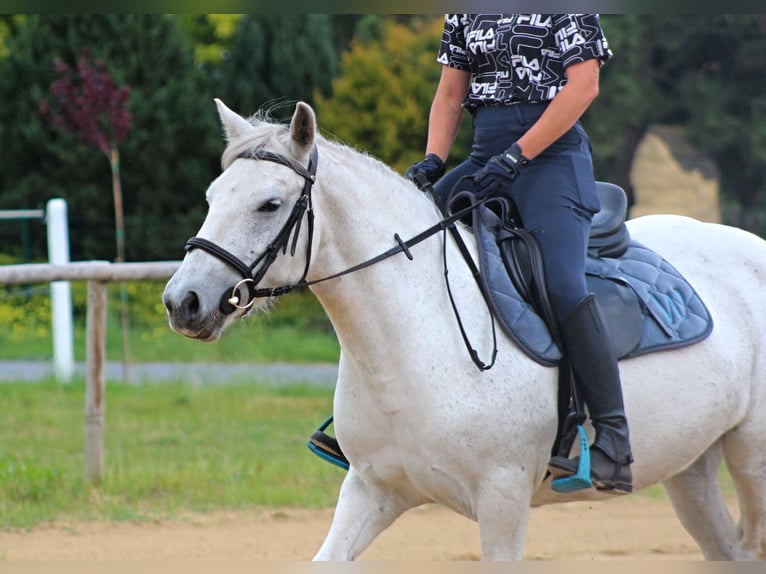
95,384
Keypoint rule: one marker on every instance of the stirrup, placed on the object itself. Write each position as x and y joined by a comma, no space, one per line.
317,446
581,479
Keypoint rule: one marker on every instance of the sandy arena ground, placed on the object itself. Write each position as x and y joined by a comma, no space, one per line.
625,529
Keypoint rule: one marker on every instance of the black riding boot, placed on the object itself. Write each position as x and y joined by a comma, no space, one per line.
586,341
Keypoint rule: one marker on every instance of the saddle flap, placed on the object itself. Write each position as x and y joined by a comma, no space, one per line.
621,310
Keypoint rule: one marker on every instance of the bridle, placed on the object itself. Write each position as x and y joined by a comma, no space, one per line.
252,274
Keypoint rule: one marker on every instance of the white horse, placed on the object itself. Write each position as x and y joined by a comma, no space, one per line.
417,420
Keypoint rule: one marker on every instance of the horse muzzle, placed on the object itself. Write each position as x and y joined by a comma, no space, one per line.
188,316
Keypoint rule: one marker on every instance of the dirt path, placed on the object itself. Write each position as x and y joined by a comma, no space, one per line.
630,528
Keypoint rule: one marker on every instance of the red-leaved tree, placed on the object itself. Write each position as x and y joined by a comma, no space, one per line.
88,104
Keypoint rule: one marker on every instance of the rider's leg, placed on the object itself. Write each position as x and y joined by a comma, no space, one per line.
587,344
561,227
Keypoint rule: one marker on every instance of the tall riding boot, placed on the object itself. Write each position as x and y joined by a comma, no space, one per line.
586,341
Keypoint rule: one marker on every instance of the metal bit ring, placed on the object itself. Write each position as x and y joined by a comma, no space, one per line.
234,299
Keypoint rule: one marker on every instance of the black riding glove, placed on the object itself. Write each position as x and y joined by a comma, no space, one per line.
499,172
426,172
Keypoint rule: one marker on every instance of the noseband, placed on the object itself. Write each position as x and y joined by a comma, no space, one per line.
252,274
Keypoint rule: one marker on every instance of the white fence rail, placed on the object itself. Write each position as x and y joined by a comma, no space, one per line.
97,274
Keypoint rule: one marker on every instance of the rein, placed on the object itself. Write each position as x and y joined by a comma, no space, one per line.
253,273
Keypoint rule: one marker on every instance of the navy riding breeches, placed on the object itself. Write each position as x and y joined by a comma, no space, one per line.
555,194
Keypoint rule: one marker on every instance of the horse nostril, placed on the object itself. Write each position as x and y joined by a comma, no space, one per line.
190,303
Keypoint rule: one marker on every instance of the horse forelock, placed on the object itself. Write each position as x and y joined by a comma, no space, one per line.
266,134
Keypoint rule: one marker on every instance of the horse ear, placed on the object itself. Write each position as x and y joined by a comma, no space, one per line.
303,128
233,124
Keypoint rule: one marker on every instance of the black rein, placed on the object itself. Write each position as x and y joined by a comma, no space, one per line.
253,273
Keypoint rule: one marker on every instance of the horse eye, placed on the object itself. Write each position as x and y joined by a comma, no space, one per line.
271,206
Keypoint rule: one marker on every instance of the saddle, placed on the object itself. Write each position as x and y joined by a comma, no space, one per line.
645,301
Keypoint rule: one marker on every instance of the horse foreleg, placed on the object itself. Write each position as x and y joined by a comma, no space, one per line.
363,511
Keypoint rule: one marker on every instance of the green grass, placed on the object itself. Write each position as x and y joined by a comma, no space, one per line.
170,448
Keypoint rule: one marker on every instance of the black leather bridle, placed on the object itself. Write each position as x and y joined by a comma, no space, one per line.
253,273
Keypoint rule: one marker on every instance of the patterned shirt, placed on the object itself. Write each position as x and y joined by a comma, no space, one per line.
519,57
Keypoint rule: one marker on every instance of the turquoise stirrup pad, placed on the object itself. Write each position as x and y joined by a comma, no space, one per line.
581,479
326,455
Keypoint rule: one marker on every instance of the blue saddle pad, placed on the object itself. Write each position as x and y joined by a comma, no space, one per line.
648,305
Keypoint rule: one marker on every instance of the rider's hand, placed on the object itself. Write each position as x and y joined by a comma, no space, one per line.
499,172
426,172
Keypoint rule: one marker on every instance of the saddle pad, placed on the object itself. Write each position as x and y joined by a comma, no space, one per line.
672,313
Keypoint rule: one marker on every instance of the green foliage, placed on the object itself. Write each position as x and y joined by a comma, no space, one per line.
8,24
701,71
211,36
617,120
167,156
278,57
721,83
170,449
386,84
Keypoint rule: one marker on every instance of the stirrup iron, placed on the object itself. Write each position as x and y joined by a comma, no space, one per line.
324,455
581,479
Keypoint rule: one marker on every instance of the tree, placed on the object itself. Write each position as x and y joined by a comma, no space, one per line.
617,121
278,58
169,159
714,67
89,105
211,36
386,85
700,71
8,24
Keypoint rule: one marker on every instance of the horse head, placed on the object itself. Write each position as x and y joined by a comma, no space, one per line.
256,213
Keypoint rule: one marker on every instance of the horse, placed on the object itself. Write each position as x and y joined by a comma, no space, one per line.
418,422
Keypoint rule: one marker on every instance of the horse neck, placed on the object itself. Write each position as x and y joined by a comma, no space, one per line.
359,206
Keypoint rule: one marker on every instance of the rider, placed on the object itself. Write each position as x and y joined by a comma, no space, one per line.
526,79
